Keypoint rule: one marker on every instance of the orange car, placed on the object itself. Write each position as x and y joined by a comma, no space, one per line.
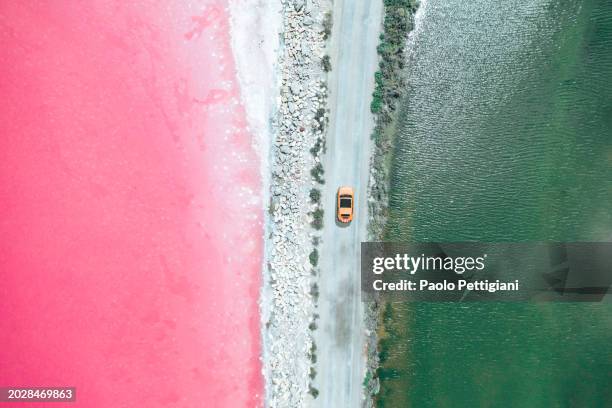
345,204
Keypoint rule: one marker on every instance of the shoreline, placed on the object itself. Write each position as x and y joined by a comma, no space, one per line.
256,34
395,41
288,127
390,90
257,48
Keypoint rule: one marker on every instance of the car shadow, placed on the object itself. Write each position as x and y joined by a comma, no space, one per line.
341,224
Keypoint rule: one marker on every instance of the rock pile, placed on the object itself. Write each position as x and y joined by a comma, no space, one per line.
288,304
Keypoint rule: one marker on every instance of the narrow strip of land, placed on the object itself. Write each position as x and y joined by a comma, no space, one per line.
340,337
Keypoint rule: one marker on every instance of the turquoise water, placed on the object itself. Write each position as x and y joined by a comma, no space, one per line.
506,135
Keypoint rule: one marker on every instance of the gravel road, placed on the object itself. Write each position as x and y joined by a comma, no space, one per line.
340,336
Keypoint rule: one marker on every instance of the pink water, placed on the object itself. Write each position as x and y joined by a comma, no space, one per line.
130,223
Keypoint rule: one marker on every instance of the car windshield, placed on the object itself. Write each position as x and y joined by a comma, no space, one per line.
345,202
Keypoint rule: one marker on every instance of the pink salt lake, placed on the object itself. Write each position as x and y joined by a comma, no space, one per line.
130,214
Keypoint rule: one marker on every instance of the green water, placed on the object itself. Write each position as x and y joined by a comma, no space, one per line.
506,135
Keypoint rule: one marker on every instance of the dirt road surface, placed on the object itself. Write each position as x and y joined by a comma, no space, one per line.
340,336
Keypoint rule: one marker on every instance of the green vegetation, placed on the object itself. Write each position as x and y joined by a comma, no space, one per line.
317,218
313,373
271,207
367,379
326,63
317,173
312,354
314,257
389,85
313,391
315,195
320,120
314,291
318,146
377,96
389,81
327,25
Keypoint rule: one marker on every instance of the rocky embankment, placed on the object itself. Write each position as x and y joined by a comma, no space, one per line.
288,301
